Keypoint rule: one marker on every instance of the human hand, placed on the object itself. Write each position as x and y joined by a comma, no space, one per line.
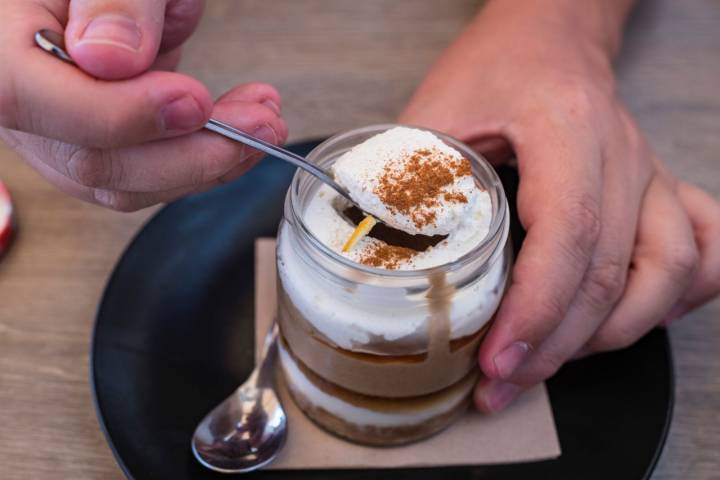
121,131
615,244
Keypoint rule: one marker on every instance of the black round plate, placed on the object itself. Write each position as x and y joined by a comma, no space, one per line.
174,337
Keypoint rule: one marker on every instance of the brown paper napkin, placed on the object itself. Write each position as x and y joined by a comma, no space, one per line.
523,432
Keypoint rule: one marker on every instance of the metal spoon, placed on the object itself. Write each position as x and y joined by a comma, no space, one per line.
54,43
248,429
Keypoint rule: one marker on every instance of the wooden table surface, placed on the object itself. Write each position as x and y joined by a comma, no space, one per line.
338,65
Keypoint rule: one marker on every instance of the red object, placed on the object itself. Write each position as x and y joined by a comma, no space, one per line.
6,217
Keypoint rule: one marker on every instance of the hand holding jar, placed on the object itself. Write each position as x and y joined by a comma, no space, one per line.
616,244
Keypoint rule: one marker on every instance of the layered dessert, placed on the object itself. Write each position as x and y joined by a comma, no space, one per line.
382,307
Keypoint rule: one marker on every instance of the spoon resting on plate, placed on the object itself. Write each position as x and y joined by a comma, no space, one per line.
248,429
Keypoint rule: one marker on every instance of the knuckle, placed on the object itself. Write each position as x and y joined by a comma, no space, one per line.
87,166
681,260
605,281
578,99
199,175
105,132
585,213
544,315
614,336
582,215
550,310
111,129
214,164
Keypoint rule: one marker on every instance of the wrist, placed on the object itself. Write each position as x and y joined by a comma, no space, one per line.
597,24
577,39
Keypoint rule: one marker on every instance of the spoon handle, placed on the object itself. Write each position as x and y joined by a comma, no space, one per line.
239,136
262,376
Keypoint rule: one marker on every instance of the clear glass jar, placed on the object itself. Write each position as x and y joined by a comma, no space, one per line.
381,356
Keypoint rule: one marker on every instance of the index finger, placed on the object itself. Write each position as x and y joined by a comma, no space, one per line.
559,206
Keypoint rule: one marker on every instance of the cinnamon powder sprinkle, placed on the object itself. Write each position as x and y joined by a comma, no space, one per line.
419,185
382,255
455,197
462,168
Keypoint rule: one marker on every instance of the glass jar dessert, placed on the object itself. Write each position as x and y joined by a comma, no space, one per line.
379,345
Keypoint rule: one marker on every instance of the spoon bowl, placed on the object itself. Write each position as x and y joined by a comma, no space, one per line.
247,430
243,433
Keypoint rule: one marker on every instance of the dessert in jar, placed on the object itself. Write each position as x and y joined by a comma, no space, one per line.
379,334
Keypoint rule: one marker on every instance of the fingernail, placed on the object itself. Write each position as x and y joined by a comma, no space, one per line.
272,106
113,29
499,395
266,132
507,361
182,114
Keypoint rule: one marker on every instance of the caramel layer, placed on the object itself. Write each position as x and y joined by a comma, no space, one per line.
374,375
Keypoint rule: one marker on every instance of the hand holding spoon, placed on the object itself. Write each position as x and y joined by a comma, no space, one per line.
54,43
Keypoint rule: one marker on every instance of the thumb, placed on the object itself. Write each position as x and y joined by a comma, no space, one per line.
111,39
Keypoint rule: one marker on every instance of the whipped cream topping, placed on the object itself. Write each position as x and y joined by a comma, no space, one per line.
332,228
414,182
410,179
